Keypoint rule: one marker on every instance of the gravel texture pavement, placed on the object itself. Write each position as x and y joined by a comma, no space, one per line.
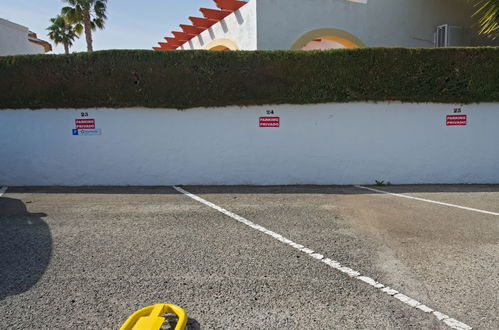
87,258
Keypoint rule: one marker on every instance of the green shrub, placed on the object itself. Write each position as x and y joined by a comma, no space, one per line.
186,79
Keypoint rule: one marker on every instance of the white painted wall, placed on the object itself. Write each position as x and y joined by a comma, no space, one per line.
354,143
240,27
14,40
407,23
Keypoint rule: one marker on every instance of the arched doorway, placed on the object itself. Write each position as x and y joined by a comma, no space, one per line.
221,44
327,39
219,48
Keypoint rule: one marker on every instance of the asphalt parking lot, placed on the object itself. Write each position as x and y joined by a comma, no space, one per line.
87,258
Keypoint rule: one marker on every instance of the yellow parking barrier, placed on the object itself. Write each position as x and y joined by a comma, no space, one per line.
150,318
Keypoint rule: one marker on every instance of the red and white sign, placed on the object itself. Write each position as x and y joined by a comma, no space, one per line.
457,120
270,121
85,123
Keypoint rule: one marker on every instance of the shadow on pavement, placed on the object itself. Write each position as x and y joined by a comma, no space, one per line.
192,324
25,247
283,189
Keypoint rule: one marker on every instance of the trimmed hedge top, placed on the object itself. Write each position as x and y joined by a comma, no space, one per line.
186,79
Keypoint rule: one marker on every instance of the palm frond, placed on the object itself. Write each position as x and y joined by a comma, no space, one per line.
62,31
79,28
488,13
86,15
99,23
100,8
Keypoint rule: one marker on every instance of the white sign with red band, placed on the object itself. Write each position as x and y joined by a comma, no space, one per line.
457,120
270,121
85,123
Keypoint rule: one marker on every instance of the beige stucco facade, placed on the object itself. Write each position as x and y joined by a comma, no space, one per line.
298,24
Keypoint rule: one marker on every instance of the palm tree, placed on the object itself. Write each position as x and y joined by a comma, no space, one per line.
488,11
63,32
88,15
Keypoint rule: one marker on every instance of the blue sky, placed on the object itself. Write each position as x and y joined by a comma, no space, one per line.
130,25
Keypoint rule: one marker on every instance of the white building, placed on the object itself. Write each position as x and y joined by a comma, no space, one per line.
16,39
325,24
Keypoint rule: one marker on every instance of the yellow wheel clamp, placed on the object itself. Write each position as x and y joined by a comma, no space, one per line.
150,318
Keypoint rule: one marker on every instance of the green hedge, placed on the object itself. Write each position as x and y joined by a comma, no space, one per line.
185,79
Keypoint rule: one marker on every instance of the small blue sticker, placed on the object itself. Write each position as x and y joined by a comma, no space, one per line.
75,132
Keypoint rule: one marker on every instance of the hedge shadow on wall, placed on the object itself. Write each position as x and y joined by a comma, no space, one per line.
187,79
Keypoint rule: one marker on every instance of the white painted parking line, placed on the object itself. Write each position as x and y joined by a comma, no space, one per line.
2,191
428,200
453,323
